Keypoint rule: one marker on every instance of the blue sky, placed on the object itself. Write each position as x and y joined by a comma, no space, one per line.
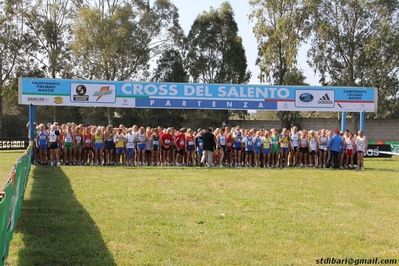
190,9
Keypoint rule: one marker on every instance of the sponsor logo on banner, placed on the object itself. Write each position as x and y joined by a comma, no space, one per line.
81,90
306,98
37,99
395,148
325,99
103,91
93,93
80,95
125,102
58,100
314,98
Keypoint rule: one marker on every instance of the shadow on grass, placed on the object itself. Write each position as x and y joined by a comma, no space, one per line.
55,227
382,169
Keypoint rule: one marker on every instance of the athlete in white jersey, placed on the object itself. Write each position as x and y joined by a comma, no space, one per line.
221,145
148,146
141,140
349,143
322,140
130,147
67,141
303,149
294,138
361,144
313,145
53,140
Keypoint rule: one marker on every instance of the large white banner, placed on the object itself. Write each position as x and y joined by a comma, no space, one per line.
132,94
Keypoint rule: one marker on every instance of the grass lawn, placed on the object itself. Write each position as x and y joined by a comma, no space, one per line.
74,215
7,158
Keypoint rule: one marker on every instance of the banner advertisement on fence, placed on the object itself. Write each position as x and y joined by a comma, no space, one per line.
395,148
5,204
131,94
373,150
11,197
14,143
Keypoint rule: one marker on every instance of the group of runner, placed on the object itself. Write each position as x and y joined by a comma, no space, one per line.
72,144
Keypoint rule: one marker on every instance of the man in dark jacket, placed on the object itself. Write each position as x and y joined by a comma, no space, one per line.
209,145
336,145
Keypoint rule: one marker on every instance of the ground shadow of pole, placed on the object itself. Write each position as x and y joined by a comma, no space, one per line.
56,229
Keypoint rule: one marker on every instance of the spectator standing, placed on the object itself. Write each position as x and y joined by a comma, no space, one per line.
361,144
336,145
208,147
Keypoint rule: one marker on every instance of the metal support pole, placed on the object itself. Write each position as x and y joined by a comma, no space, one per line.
32,118
361,119
343,121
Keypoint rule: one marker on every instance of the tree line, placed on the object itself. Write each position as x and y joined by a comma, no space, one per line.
352,43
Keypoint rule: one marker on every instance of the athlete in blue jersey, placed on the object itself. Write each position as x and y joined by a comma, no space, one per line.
249,147
237,138
200,144
257,148
42,144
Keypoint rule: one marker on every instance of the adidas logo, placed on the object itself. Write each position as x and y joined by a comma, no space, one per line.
325,99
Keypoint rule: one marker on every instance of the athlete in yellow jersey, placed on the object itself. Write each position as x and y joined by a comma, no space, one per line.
98,139
284,147
266,149
119,140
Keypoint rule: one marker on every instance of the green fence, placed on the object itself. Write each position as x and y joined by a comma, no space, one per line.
12,193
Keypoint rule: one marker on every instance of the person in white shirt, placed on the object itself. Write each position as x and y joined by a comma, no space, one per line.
322,141
349,143
294,138
361,144
130,147
53,139
313,146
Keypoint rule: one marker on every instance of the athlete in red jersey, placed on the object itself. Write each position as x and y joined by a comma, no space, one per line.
166,143
229,147
190,147
180,146
87,146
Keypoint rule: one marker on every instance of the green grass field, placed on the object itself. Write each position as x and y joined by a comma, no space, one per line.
174,216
